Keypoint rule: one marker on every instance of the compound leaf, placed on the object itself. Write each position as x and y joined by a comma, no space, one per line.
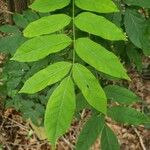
100,58
48,76
100,6
47,25
49,5
120,94
127,115
60,110
99,26
92,130
41,46
90,87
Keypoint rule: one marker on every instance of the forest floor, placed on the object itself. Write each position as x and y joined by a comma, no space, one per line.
17,134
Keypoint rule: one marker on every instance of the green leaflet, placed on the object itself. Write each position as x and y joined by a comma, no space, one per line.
60,110
134,25
9,29
99,26
30,15
127,115
81,103
145,39
109,140
49,5
9,44
41,46
47,25
141,3
90,87
20,20
135,56
120,94
138,30
90,132
100,58
48,76
100,6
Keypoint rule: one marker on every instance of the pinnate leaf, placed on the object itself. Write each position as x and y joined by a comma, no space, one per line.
100,58
49,5
47,25
98,25
48,76
41,46
100,6
90,87
60,110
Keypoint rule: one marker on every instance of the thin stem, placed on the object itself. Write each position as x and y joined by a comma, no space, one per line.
73,30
